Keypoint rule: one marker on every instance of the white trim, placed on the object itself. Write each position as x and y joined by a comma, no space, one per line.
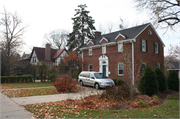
103,50
154,31
103,58
123,69
89,42
120,35
119,43
102,39
132,62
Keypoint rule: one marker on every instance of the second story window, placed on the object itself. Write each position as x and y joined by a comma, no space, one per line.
120,47
144,45
34,59
103,49
90,51
156,48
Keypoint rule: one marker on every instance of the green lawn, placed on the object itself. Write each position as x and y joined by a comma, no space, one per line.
30,92
25,85
169,109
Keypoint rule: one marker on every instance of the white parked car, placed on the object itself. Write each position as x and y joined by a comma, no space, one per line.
95,79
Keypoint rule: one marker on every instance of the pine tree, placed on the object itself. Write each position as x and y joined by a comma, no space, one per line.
82,29
161,79
148,83
173,80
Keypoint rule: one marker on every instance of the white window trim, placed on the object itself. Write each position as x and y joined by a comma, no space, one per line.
144,50
149,32
89,67
90,54
104,51
155,47
118,70
103,38
119,46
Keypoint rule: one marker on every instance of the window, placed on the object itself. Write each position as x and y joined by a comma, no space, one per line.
90,67
143,65
158,65
156,48
90,51
120,47
91,76
120,69
143,45
103,49
34,59
149,32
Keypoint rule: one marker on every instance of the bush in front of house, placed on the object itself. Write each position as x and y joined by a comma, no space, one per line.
148,83
173,80
161,79
118,81
65,84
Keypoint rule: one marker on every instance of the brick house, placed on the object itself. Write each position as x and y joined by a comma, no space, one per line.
51,56
173,66
133,48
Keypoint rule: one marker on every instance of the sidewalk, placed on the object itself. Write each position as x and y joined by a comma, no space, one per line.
53,98
11,110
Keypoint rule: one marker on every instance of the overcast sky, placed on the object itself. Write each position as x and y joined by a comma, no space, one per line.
43,16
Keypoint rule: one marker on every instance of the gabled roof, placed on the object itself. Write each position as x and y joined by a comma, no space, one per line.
176,65
40,53
129,33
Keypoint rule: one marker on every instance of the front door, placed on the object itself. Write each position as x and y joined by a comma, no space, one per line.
104,69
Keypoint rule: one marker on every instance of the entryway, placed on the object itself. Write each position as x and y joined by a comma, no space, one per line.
103,65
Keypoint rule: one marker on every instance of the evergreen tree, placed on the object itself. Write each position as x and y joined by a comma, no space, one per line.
173,80
161,79
82,29
148,83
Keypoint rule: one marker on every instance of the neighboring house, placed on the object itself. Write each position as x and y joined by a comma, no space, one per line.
173,66
51,56
131,48
23,65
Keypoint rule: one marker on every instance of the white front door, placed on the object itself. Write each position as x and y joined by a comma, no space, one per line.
104,65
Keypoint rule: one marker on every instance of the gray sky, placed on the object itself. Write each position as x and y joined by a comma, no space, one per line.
43,16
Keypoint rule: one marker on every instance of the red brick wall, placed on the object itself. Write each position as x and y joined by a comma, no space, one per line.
149,57
115,57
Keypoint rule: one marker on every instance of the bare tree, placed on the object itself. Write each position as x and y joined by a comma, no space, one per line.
173,54
110,26
12,32
57,38
162,11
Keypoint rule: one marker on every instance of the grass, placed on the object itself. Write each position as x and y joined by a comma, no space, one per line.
30,92
169,109
25,85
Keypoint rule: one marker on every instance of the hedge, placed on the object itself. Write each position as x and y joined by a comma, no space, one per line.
16,79
118,81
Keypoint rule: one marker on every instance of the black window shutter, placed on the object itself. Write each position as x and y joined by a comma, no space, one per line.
158,48
140,44
146,46
154,47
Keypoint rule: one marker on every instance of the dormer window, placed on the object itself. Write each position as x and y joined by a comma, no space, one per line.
34,59
103,49
149,32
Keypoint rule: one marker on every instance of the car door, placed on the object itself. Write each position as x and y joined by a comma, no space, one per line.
86,78
91,79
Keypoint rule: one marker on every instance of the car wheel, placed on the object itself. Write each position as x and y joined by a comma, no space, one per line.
81,83
96,86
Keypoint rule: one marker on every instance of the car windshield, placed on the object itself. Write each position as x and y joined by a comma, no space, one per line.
100,75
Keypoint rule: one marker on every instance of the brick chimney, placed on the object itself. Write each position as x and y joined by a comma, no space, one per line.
97,33
48,52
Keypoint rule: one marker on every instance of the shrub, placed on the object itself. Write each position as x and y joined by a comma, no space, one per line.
65,84
161,79
148,83
173,81
118,81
